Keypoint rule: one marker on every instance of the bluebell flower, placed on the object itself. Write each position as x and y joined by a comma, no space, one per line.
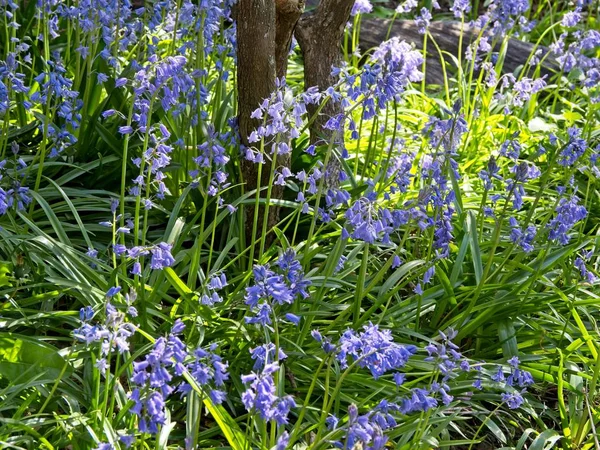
460,8
161,256
524,238
264,355
511,148
420,400
127,439
499,375
523,172
113,291
210,372
293,318
136,269
282,441
105,446
571,19
293,273
153,378
373,349
492,173
514,400
271,288
86,314
579,263
422,20
260,396
399,378
361,7
505,14
446,356
568,214
16,196
113,334
573,149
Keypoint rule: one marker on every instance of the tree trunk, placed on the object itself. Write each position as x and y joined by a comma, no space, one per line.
319,34
264,33
288,12
255,21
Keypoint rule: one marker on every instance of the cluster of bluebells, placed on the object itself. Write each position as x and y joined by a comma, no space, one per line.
114,333
160,253
444,138
524,237
568,213
515,93
159,19
271,288
13,192
369,220
152,379
450,363
516,383
104,16
392,66
368,429
491,174
210,372
261,397
504,15
158,376
580,264
182,92
576,50
361,7
573,149
364,430
214,285
56,90
373,349
167,80
515,186
211,160
12,80
282,116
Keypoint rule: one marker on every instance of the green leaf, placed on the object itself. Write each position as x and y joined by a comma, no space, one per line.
508,339
109,138
5,271
187,293
474,244
545,440
56,224
20,355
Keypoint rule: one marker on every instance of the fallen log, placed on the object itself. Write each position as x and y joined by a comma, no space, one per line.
446,34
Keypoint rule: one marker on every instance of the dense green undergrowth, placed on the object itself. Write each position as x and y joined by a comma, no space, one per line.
437,290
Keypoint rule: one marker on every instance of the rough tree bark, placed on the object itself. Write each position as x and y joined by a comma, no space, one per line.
288,12
319,34
256,80
264,33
